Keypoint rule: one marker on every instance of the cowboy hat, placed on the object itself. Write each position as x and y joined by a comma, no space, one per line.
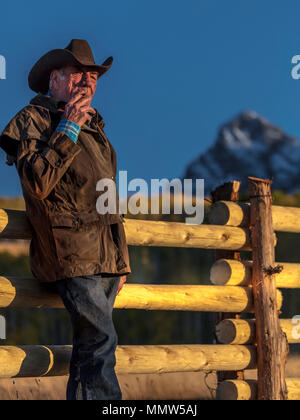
77,53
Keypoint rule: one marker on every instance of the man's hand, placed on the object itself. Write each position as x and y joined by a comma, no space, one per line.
122,281
78,109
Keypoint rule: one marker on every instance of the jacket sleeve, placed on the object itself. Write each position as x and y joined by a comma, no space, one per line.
112,151
113,160
41,165
41,158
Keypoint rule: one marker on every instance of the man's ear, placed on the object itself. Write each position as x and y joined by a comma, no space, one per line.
55,77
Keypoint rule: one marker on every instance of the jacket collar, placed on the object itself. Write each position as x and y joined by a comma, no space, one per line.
48,102
58,107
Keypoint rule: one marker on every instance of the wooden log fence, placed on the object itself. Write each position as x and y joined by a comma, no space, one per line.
243,331
228,191
29,293
229,213
34,361
14,225
238,287
226,272
247,390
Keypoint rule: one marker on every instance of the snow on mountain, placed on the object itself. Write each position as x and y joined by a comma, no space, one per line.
249,145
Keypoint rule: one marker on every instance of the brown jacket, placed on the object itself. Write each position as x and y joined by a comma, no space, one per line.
58,177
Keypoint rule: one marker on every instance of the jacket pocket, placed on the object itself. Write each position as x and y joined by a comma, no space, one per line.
75,241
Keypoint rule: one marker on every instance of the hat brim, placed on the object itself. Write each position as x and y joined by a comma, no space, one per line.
39,75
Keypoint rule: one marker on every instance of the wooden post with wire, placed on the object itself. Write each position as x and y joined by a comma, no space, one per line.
229,192
272,346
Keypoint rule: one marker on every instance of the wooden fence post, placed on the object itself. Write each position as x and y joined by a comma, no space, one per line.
272,347
229,192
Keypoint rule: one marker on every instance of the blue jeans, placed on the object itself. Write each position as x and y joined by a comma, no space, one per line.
89,301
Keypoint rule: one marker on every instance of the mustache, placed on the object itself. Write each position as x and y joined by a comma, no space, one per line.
84,92
84,88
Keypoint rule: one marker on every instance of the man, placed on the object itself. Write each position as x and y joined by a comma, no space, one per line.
60,150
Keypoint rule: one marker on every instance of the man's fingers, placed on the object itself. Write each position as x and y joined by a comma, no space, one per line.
88,117
79,99
119,289
121,283
79,109
88,109
75,98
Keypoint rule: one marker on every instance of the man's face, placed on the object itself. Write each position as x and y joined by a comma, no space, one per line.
69,81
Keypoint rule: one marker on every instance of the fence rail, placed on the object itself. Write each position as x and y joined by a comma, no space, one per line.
226,272
243,331
34,361
14,225
29,293
229,213
247,390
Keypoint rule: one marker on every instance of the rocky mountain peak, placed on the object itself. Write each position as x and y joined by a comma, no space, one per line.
249,145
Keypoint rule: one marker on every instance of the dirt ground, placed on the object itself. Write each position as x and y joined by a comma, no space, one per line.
179,386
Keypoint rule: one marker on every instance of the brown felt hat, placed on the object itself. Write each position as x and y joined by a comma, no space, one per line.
77,53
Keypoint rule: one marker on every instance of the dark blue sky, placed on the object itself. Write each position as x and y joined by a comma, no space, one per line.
180,70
